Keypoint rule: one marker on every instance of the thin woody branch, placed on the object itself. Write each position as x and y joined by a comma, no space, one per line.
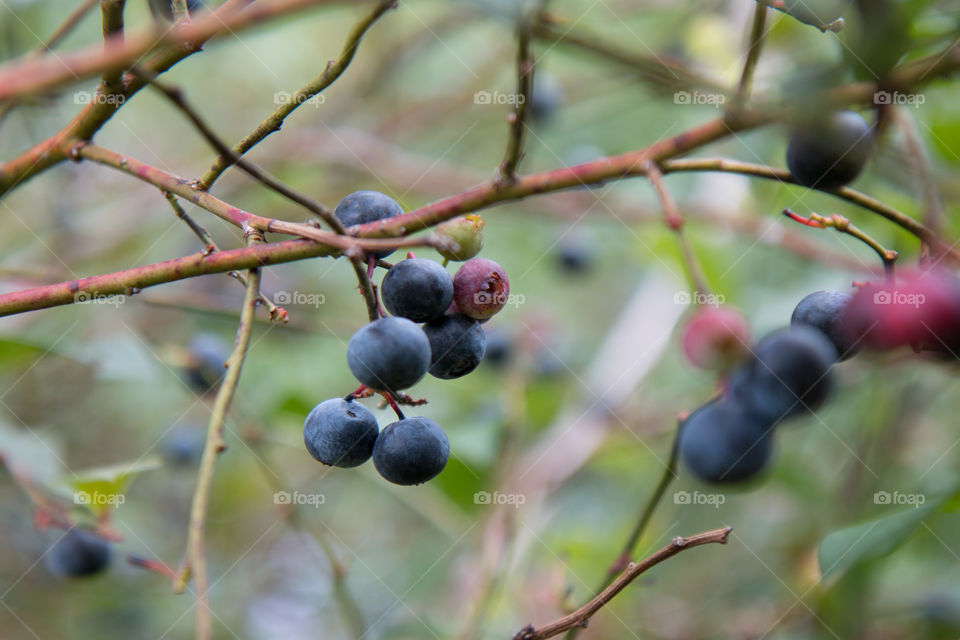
582,616
275,120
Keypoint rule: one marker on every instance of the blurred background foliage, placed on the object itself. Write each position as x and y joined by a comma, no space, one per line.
90,386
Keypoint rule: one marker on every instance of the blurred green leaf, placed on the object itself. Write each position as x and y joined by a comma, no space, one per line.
852,546
101,488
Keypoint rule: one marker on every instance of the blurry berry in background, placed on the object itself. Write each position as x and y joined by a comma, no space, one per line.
715,338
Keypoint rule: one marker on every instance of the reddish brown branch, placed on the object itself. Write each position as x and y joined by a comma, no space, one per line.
581,616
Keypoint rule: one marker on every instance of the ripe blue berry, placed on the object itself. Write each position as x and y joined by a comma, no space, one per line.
340,433
831,151
722,443
411,451
457,344
183,445
499,348
825,310
545,99
361,207
417,289
789,374
389,354
207,354
78,553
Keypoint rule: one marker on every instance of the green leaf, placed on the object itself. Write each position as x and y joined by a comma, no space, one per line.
846,548
101,489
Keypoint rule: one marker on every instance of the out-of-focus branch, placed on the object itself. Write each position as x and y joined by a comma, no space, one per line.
581,616
517,119
275,120
844,193
112,10
68,25
661,69
175,96
675,223
195,564
30,77
754,48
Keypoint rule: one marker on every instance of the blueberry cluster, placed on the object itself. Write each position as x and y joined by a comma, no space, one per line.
788,374
393,353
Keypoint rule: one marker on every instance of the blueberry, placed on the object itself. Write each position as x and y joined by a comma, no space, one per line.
825,310
499,348
722,443
574,257
361,207
545,98
78,553
831,151
340,433
789,374
389,354
417,289
183,445
208,354
457,344
164,8
411,451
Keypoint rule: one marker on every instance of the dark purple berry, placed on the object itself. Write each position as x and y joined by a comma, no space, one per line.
340,433
721,443
825,310
457,344
411,451
389,354
831,151
78,553
417,289
789,374
361,207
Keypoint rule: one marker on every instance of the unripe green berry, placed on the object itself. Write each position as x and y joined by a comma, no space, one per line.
464,235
